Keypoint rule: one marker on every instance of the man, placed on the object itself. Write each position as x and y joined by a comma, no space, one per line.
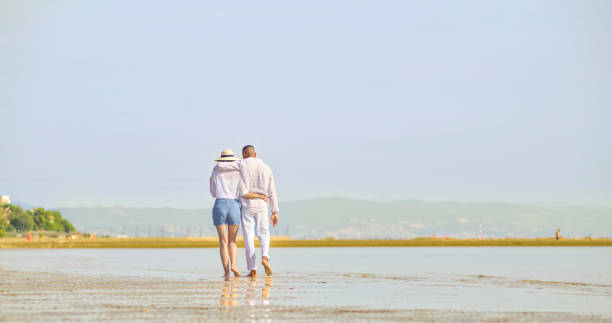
256,178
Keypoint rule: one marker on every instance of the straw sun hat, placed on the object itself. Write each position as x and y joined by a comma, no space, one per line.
227,155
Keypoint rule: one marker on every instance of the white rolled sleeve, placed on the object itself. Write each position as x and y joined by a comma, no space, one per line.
273,198
213,185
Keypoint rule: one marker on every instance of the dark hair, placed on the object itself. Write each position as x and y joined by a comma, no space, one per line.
248,149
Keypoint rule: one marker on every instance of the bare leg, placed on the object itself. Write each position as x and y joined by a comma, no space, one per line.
232,233
222,232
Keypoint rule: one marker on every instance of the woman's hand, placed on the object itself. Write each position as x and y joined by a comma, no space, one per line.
254,196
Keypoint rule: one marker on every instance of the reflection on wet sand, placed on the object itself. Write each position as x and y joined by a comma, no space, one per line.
259,309
265,291
231,289
228,293
252,291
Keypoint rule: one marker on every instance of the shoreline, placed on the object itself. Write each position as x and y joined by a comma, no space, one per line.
283,242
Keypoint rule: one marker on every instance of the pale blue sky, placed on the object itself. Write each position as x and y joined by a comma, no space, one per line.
128,102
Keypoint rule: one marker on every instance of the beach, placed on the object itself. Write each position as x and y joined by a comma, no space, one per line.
86,298
325,284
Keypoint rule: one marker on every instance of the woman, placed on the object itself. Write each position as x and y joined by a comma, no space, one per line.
226,212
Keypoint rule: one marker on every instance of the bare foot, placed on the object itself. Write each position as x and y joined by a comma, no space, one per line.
252,274
226,276
236,272
264,262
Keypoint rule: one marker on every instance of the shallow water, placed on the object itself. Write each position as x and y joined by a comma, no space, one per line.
572,280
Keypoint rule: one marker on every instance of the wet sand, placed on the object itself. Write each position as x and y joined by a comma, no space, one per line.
317,284
42,296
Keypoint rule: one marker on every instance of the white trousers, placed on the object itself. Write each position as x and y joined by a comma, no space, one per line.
255,224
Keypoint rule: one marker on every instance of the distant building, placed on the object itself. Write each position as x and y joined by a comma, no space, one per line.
5,199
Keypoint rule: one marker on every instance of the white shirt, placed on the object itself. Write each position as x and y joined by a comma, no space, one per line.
257,177
224,184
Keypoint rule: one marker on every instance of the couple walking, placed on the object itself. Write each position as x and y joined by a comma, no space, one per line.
243,189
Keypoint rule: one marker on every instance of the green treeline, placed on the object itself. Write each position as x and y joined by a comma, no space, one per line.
14,218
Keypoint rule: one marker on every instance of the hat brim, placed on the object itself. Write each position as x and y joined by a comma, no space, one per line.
226,159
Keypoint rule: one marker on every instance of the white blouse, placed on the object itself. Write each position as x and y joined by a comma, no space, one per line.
224,184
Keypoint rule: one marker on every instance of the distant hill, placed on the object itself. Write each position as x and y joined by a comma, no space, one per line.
346,218
413,218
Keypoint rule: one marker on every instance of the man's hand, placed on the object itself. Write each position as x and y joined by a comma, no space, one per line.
274,219
265,198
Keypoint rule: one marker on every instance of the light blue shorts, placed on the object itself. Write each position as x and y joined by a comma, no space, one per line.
226,211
